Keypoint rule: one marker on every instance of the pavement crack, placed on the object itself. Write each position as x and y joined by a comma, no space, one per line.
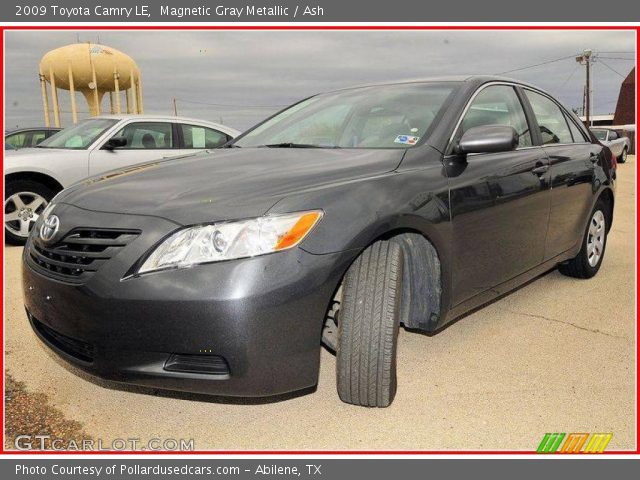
571,324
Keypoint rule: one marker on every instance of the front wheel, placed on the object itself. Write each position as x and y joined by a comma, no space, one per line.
368,326
24,202
623,157
587,263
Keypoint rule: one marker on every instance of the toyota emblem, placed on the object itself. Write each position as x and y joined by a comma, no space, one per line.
49,228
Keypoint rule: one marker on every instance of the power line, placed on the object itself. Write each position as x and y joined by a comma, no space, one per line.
617,58
571,75
536,65
610,68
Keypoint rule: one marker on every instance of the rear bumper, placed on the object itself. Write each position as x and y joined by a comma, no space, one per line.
262,315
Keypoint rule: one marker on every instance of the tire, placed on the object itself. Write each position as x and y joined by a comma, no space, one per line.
368,327
623,156
584,265
31,194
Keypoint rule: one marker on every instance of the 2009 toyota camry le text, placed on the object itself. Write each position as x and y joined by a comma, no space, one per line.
335,221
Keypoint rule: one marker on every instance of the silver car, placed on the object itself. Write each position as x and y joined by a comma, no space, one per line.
34,175
618,145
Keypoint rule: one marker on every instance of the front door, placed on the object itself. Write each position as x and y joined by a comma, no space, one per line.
500,202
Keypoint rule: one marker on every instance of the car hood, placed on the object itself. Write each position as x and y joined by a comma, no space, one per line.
227,184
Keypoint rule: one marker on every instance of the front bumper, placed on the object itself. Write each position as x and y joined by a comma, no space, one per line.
262,315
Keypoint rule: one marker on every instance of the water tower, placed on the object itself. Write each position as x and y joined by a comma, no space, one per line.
92,70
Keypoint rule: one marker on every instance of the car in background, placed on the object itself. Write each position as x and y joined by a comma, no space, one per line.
33,176
618,144
28,137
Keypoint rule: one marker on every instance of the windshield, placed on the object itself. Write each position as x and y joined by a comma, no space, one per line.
389,116
600,134
79,137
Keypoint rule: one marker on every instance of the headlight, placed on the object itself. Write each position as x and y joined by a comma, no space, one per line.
230,240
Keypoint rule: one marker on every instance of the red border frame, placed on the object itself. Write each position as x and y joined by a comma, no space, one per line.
4,28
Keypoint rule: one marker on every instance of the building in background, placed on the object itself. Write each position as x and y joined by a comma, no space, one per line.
92,70
625,108
625,117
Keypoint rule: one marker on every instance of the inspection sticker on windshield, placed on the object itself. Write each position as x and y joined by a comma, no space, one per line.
406,139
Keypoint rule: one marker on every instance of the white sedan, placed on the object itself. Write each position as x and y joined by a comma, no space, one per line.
34,175
619,145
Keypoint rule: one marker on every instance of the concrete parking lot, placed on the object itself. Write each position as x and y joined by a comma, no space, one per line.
558,355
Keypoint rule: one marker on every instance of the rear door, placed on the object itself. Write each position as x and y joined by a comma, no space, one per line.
146,141
499,201
572,160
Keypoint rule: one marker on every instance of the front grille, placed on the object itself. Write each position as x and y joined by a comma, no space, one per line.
76,348
80,253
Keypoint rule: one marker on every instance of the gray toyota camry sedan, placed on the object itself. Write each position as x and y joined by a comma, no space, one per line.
336,221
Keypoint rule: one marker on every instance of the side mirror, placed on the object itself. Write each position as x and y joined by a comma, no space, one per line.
488,139
115,142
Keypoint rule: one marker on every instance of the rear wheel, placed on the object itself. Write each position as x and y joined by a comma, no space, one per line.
368,323
587,263
24,201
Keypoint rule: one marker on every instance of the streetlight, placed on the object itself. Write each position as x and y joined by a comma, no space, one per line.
585,59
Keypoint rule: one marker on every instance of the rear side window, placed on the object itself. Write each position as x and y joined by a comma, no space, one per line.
553,124
497,105
202,137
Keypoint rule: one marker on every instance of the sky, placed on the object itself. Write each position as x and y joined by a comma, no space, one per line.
241,77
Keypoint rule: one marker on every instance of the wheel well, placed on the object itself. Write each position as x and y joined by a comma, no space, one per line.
607,197
49,182
421,305
422,279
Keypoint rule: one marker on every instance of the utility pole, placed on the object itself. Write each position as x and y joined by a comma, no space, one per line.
175,107
586,59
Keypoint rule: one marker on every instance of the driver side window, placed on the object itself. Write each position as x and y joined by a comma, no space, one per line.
497,105
147,135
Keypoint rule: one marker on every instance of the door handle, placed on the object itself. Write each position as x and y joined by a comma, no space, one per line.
540,169
593,157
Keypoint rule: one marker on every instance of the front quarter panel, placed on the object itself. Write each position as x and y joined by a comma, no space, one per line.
65,166
359,211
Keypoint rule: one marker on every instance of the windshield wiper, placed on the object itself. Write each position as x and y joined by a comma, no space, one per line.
297,145
291,145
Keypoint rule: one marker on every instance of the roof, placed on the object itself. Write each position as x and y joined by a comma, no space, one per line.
479,79
27,129
171,118
597,118
126,116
